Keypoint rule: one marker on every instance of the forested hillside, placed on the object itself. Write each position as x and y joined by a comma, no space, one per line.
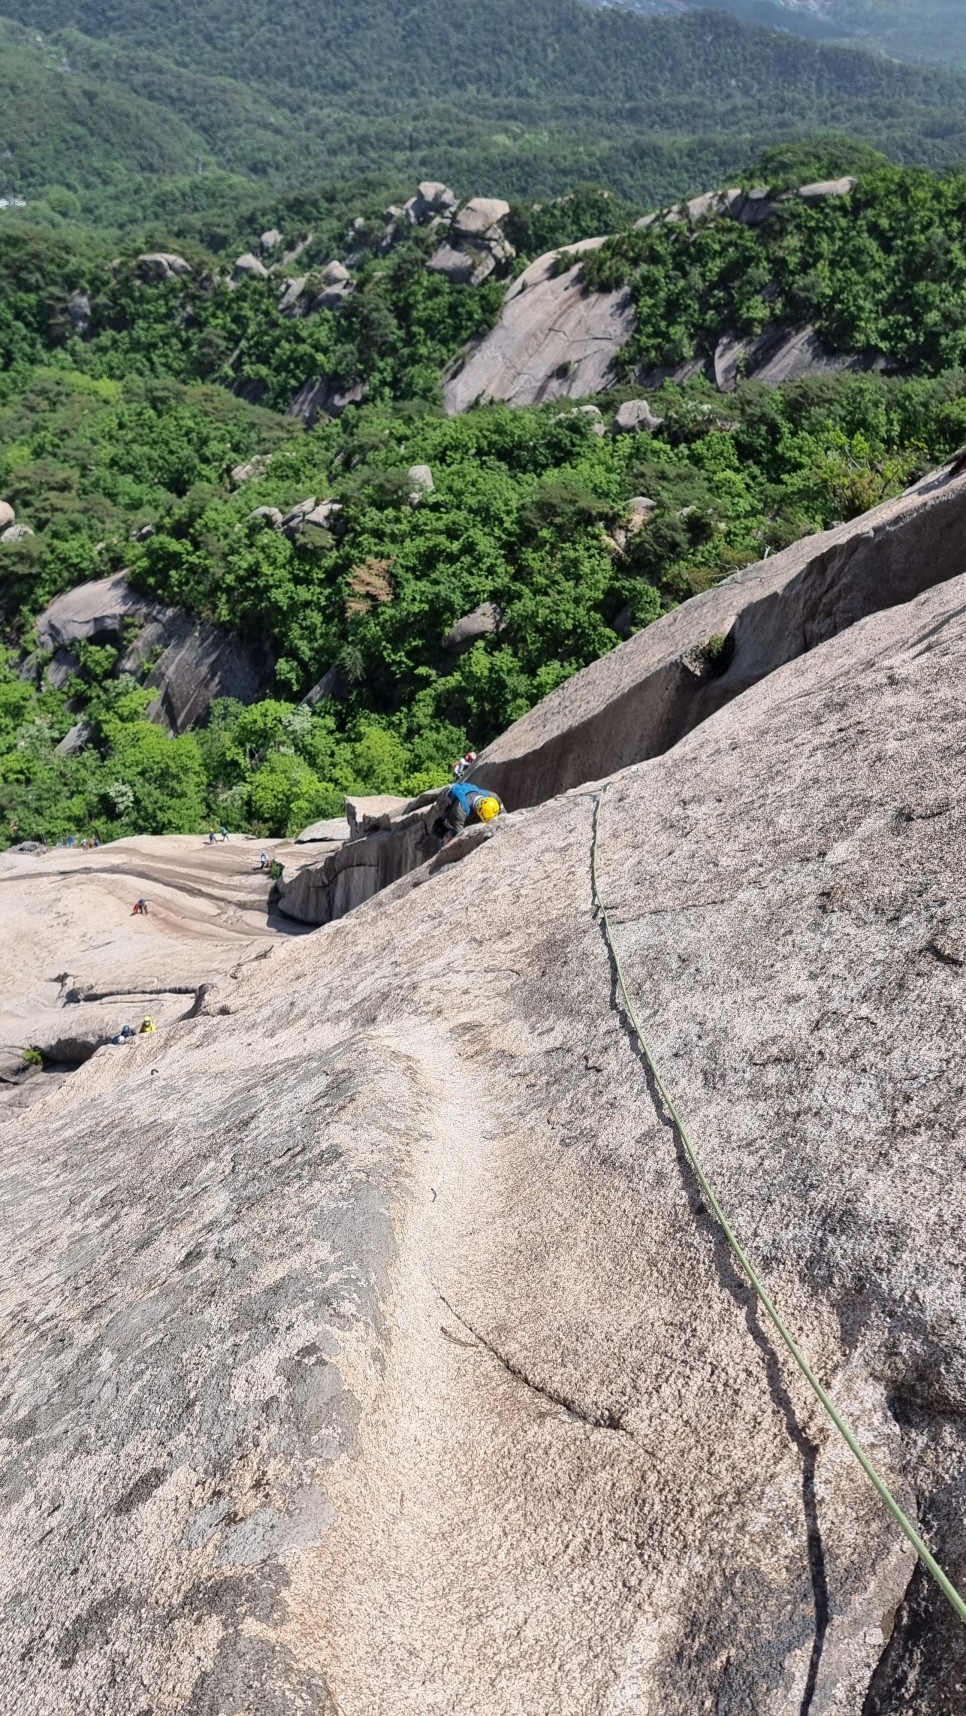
928,30
527,96
128,443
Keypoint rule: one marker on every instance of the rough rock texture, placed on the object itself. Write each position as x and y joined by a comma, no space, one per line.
369,1346
481,623
640,699
68,912
825,188
421,477
334,829
248,267
161,265
634,415
320,398
198,661
551,342
780,354
7,514
15,533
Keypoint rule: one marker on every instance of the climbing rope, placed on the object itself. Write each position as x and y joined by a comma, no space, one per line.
905,1524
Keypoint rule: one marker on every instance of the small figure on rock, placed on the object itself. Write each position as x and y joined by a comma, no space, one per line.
461,804
123,1035
140,908
212,837
465,765
264,861
147,1025
224,832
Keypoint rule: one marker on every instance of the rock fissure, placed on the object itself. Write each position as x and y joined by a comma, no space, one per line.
604,1419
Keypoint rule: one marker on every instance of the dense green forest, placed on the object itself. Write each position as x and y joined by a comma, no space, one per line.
118,439
103,102
928,30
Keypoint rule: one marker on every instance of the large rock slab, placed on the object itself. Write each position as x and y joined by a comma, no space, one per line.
368,1343
640,699
551,342
198,661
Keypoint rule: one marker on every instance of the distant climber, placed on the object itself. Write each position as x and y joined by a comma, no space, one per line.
224,832
461,804
140,908
264,861
123,1035
465,765
147,1025
212,837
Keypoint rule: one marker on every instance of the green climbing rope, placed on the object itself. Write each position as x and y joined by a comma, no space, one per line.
905,1524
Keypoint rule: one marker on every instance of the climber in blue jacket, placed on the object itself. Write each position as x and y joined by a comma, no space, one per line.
464,803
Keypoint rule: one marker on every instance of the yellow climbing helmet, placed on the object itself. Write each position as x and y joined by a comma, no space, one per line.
147,1025
487,808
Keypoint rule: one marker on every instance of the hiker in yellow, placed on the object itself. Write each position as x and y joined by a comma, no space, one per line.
146,1026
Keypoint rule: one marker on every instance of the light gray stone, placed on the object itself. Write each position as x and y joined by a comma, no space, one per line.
825,188
481,623
634,416
272,515
479,216
552,340
251,470
322,398
333,831
421,479
15,533
467,267
644,696
433,198
292,297
7,515
271,240
79,312
198,661
161,265
248,267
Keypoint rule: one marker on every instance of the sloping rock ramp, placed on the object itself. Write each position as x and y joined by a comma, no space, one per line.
368,1347
552,340
640,699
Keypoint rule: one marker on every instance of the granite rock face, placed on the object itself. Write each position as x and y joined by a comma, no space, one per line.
368,1343
551,342
198,661
638,701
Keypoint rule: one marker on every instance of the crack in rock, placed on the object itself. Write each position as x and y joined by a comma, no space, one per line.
606,1419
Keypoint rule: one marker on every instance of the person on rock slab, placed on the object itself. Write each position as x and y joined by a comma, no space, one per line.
461,805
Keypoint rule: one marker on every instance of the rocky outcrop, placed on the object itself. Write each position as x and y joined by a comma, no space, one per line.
552,340
247,267
634,415
369,1343
481,623
7,515
638,701
193,662
475,245
389,838
322,398
15,533
161,265
779,355
421,478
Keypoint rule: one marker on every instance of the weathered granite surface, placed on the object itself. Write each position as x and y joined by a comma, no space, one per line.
640,699
368,1345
